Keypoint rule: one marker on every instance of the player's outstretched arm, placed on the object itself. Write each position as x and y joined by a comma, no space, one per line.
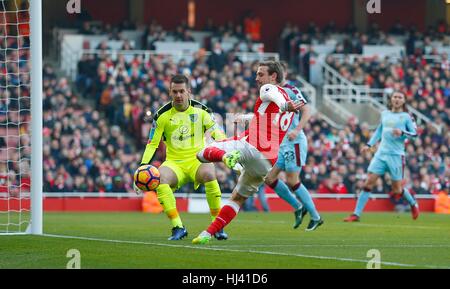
306,115
270,92
376,136
211,125
154,139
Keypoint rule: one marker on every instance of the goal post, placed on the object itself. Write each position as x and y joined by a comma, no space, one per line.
36,116
21,117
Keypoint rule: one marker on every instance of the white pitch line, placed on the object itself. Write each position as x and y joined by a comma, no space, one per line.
342,245
239,251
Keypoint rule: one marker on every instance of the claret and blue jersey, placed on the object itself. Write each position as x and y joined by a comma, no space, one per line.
293,153
390,144
390,155
294,94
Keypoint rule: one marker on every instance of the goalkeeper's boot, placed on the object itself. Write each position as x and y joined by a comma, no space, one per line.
232,158
202,239
313,224
221,235
178,234
352,218
415,211
299,214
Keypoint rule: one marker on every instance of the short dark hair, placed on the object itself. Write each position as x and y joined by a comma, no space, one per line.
274,67
180,78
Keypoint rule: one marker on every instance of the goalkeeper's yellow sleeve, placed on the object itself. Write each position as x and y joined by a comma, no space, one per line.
153,142
218,134
211,125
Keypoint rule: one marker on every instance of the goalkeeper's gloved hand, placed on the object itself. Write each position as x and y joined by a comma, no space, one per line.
138,191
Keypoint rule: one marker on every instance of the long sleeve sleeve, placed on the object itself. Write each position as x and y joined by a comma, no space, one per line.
376,136
411,129
153,142
210,124
270,92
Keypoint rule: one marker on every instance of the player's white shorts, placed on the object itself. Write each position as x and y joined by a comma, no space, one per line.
254,163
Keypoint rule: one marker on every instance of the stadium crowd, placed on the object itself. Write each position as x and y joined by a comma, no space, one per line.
427,86
82,151
334,165
350,41
95,132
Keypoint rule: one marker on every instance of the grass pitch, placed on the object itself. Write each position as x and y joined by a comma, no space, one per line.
257,240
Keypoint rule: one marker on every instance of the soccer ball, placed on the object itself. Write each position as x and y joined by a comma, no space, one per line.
146,178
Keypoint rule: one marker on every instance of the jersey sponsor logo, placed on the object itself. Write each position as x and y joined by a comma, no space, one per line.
181,138
183,129
390,123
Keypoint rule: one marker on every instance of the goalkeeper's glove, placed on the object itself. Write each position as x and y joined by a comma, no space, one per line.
138,191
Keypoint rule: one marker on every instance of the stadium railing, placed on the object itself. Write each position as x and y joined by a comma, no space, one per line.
337,89
310,91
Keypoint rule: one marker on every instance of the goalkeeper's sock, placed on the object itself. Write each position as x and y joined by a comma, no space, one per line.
226,215
283,191
305,197
213,197
167,200
362,201
211,154
407,195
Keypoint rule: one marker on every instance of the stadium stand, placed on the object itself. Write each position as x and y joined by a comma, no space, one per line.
85,152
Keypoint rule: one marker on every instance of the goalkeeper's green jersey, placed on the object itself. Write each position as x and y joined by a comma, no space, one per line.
182,132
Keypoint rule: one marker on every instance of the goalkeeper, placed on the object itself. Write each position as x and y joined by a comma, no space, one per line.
182,124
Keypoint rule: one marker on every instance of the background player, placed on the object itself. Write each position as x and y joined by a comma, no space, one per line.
291,159
257,149
395,127
182,124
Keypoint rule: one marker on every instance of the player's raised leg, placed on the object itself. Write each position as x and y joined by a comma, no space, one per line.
363,198
227,151
206,175
166,198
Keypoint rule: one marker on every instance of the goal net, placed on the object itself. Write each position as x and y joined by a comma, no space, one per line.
15,117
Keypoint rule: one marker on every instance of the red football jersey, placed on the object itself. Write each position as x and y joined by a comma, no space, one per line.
269,124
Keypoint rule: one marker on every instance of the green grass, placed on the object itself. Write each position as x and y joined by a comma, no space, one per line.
257,240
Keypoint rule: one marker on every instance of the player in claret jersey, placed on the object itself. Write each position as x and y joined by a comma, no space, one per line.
291,159
257,148
396,126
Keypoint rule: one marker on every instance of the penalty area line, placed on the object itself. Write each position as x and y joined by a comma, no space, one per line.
207,248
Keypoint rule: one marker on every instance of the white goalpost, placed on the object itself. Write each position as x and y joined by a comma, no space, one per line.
21,161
